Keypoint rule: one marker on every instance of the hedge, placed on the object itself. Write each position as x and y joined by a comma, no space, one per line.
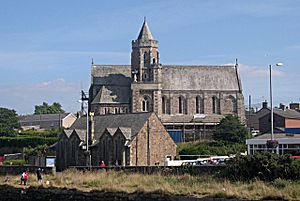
210,148
26,141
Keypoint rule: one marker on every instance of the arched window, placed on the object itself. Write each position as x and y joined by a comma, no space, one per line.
233,104
164,105
153,61
181,105
197,105
215,105
145,57
146,104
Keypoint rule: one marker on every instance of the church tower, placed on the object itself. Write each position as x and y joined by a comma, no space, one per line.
145,57
146,72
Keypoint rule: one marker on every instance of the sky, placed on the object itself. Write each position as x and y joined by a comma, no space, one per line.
46,47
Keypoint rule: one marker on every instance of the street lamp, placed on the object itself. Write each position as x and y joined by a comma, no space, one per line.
271,102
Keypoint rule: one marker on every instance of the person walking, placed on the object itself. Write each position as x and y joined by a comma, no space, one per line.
39,175
24,177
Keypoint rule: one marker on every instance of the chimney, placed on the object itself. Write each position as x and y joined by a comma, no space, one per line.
265,104
92,127
294,106
282,106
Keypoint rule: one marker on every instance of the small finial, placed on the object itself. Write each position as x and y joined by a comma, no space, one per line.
144,18
236,61
92,61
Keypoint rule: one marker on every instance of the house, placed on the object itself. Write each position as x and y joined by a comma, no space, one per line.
285,121
131,139
46,121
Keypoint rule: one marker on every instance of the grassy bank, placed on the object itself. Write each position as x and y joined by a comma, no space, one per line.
176,185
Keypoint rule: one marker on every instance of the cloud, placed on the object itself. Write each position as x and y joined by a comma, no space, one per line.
23,98
254,71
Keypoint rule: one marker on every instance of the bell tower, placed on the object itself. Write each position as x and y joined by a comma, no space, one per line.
146,72
145,57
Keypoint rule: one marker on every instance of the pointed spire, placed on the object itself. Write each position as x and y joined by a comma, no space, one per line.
145,33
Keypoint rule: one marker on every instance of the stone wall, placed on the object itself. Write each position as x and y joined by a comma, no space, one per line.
152,144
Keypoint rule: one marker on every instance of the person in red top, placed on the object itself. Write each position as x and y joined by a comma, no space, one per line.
102,164
24,177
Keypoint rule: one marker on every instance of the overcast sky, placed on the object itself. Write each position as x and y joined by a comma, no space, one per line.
46,46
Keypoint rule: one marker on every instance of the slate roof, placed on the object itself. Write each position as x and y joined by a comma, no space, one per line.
145,33
68,132
112,94
178,77
42,117
134,121
116,75
114,82
175,77
81,133
287,113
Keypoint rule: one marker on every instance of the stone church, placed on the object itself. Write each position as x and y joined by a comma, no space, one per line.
188,99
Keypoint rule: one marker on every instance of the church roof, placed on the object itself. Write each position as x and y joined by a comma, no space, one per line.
114,83
112,94
221,78
135,121
145,33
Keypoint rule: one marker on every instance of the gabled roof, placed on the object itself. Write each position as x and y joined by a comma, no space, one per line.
81,133
145,33
126,132
67,132
287,113
179,77
111,131
112,94
134,121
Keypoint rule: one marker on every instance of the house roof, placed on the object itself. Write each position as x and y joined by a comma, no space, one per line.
81,133
42,117
134,121
287,113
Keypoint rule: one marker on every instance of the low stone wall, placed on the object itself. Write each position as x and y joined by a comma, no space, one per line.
18,169
16,194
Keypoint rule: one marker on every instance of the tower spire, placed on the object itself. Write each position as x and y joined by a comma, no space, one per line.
145,33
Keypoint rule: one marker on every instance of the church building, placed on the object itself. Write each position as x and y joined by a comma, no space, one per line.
188,99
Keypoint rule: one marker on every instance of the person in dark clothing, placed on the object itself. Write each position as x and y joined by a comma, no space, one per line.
39,174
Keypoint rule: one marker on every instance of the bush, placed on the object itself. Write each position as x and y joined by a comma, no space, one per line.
14,162
264,166
210,148
41,133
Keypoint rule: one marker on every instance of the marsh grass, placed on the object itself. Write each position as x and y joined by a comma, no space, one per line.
200,186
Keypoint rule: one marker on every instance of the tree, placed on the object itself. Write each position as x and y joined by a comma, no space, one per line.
230,129
8,122
55,108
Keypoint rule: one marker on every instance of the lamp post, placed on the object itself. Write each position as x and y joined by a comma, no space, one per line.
272,142
85,99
